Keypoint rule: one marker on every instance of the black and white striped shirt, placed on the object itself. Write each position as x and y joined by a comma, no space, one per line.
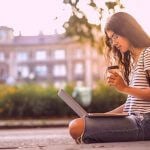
138,80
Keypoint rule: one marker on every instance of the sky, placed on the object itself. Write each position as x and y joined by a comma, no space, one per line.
33,16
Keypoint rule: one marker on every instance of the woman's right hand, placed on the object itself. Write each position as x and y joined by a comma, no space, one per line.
116,81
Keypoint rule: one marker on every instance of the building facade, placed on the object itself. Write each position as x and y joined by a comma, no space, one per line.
52,59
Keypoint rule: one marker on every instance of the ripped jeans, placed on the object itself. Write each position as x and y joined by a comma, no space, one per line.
117,129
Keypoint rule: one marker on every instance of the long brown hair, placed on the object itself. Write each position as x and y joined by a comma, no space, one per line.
126,26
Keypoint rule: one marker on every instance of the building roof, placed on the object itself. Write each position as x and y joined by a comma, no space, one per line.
38,40
34,40
6,28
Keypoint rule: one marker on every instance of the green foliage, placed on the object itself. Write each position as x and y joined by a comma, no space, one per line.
79,27
112,4
69,88
106,98
30,100
36,101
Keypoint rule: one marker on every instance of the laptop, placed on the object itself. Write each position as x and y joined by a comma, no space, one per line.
72,103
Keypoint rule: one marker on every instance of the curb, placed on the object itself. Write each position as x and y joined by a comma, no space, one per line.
43,123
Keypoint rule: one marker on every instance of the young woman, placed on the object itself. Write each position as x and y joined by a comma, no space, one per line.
129,46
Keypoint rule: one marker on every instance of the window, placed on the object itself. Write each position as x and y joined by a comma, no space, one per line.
59,70
3,73
2,56
22,56
23,71
95,53
3,35
40,55
95,68
59,54
79,53
41,70
60,84
79,69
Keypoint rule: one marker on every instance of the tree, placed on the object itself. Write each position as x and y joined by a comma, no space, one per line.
79,27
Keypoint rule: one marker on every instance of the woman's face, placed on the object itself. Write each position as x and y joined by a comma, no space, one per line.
118,41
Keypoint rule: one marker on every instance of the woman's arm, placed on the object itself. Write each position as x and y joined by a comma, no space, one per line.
116,80
117,110
137,92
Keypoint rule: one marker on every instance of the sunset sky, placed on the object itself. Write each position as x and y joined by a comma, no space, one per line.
32,16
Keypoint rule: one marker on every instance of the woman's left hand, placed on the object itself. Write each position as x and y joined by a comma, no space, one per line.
116,81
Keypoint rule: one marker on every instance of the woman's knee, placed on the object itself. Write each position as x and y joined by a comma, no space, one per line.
76,127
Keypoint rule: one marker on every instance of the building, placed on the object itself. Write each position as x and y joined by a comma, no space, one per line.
52,59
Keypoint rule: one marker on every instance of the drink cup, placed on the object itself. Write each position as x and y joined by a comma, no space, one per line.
113,69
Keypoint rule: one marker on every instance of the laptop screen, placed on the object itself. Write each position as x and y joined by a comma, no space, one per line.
71,103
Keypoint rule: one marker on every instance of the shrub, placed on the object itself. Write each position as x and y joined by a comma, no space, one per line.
105,98
32,100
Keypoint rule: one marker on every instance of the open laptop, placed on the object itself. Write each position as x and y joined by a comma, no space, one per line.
72,103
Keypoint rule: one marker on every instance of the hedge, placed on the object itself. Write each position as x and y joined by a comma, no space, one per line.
35,101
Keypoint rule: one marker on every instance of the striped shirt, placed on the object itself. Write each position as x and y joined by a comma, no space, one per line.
138,80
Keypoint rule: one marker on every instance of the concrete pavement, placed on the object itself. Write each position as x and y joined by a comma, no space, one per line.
57,139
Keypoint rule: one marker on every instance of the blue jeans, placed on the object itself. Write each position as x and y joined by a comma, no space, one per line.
117,129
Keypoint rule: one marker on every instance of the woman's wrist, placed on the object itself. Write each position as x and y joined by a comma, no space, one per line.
126,89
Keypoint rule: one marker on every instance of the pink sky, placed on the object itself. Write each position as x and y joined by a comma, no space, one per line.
32,16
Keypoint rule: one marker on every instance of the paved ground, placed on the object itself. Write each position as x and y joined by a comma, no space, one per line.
56,139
